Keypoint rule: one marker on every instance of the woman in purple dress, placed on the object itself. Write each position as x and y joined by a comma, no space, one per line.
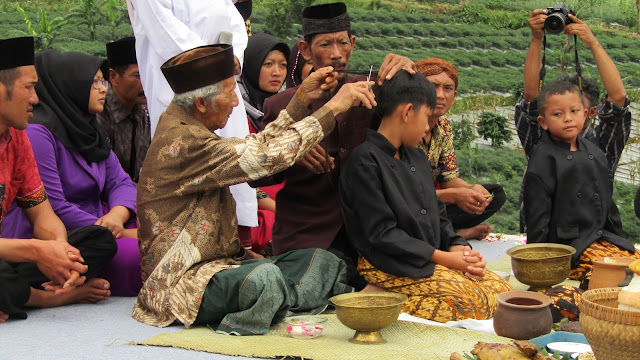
82,176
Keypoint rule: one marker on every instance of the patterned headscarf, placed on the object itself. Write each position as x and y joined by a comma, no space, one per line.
435,66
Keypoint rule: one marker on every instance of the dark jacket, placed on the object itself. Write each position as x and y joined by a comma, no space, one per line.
394,218
568,197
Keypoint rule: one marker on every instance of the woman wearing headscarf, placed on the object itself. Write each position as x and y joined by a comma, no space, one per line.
263,73
82,177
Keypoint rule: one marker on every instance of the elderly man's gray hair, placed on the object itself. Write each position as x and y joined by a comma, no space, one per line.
186,100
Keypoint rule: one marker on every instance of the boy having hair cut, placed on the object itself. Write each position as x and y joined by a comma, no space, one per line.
397,223
568,193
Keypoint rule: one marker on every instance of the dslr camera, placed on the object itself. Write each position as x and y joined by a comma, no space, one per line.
557,18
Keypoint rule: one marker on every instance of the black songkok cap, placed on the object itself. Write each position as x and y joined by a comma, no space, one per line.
16,52
122,52
325,18
199,67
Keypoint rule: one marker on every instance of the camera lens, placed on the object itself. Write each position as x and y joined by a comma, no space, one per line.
554,23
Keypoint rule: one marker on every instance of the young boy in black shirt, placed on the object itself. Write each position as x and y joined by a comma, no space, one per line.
568,194
397,223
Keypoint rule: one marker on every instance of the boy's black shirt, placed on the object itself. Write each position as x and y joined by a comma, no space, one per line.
568,197
393,216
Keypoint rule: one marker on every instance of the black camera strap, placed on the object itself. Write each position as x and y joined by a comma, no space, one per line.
543,69
578,69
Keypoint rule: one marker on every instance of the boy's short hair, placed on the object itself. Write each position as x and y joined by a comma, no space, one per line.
557,86
590,88
402,88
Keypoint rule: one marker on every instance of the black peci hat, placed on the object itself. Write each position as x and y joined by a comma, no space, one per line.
16,52
325,18
122,52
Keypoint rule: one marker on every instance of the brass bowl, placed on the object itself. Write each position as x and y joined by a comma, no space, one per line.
541,265
368,313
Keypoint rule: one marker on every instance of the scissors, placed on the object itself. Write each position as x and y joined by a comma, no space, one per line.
369,76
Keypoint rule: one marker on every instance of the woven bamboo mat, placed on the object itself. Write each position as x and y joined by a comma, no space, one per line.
405,340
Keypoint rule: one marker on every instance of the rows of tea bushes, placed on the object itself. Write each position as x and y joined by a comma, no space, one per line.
490,59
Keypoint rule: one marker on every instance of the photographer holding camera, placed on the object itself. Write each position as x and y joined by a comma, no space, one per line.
612,131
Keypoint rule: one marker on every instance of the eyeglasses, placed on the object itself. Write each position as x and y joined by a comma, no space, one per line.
98,84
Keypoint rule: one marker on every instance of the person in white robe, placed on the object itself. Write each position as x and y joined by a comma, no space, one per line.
165,28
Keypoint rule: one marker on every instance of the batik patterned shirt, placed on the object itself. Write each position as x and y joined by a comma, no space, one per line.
19,177
440,152
187,222
118,124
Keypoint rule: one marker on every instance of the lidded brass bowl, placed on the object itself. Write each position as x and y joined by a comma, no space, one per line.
368,313
541,265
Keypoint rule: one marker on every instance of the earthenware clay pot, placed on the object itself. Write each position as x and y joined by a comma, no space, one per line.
522,315
608,274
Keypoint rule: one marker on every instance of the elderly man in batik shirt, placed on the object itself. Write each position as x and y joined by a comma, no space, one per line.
193,264
125,118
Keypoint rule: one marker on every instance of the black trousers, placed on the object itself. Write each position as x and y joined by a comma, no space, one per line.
342,248
97,247
462,220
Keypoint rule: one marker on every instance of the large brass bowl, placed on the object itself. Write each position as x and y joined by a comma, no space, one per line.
368,313
541,265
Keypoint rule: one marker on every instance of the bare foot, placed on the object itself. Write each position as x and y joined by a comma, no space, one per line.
477,232
3,317
93,291
373,288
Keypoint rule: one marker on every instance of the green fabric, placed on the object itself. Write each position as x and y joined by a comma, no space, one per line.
247,300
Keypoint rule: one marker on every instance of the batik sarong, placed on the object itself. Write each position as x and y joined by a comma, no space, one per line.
600,248
447,295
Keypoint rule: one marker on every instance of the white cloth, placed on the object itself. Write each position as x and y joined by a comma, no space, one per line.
485,326
165,28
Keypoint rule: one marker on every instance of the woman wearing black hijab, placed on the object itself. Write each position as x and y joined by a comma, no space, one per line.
83,178
263,73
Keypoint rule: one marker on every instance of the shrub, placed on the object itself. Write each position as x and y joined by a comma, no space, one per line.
383,17
403,30
387,30
466,43
412,44
429,43
437,30
374,30
395,44
364,44
398,17
463,133
448,43
462,61
494,126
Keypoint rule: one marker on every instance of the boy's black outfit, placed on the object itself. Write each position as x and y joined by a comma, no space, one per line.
568,197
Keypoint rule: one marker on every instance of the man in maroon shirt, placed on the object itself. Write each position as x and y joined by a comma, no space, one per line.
308,208
51,269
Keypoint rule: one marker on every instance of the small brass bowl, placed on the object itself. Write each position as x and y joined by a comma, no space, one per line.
368,313
541,265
